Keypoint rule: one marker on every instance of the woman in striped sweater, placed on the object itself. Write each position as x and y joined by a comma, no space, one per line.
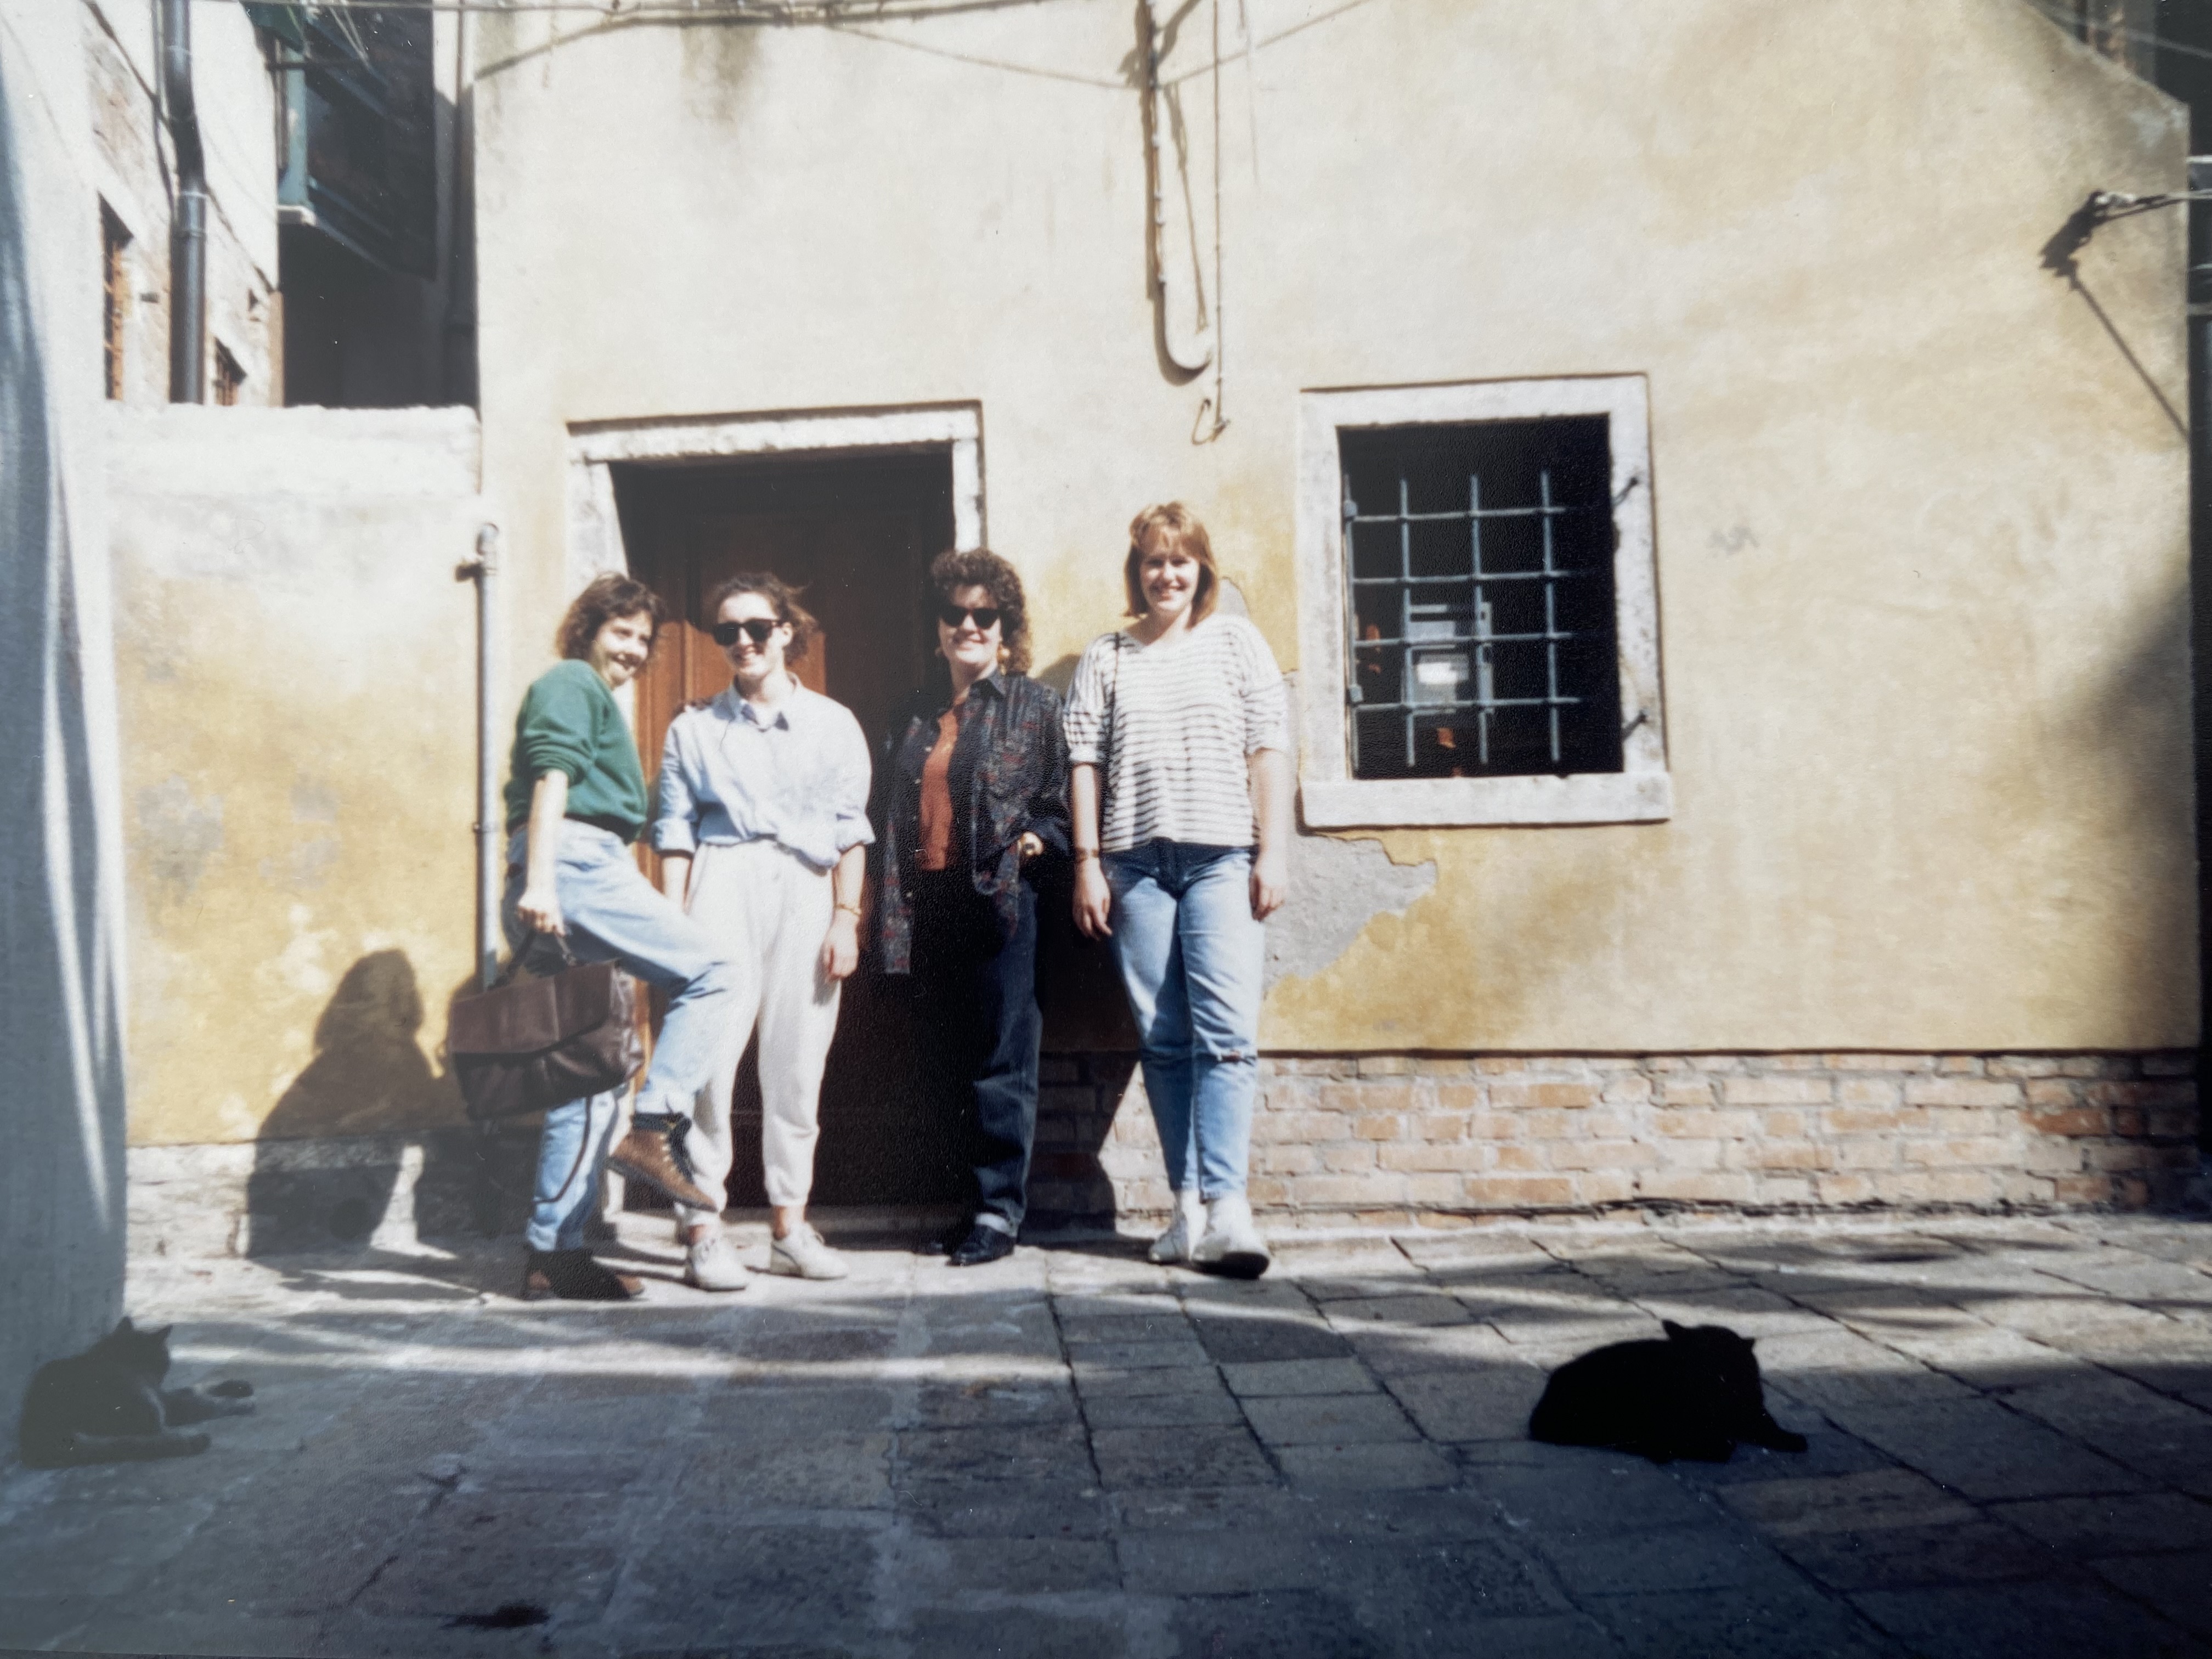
1178,741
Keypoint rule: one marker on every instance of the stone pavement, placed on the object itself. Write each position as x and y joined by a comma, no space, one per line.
1071,1453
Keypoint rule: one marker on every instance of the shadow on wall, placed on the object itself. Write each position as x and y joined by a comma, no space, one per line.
371,1133
62,1182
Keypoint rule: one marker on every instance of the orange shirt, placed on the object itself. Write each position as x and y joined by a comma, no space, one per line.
935,852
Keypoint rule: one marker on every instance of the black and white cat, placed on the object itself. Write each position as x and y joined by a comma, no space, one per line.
107,1405
1694,1395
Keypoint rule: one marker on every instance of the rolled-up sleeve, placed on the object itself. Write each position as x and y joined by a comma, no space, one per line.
1083,720
1266,715
676,825
850,778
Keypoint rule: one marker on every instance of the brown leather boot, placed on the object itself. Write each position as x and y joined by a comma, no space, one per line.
575,1276
655,1155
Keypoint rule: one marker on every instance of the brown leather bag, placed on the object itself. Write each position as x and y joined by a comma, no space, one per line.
527,1044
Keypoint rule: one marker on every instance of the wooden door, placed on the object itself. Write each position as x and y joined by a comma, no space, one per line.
858,538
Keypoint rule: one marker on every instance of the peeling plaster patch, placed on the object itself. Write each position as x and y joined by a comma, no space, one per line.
312,860
314,803
299,967
178,834
1337,887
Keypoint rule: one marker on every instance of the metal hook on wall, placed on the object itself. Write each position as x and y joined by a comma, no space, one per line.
1189,350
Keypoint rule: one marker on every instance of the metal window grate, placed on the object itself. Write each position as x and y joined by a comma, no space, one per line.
115,303
229,378
1479,602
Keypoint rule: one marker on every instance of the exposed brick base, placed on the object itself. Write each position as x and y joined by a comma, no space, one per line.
1396,1139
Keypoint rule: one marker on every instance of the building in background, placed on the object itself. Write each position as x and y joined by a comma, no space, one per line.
1738,594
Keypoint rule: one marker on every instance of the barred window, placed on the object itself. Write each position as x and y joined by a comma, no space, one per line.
229,378
1478,608
115,300
1479,569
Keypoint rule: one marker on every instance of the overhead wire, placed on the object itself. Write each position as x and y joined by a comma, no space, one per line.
2074,19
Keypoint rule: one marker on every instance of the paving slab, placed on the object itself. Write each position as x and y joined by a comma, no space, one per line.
2179,1587
1892,1558
1742,1623
2134,1523
1475,1402
1246,1339
1186,1408
1367,1466
1171,1457
1323,1419
2072,1620
1262,1378
1979,1448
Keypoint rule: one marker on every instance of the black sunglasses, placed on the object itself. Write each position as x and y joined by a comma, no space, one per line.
756,628
986,616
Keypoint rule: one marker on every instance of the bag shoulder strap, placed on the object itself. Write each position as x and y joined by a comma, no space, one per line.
515,959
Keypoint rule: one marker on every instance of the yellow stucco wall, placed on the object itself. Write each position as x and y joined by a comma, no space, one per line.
297,673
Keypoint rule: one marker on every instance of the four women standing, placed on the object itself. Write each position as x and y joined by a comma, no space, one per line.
1178,735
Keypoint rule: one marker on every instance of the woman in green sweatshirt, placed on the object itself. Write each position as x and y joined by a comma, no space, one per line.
575,802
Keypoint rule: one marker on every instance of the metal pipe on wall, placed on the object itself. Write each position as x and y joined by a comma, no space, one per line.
1190,354
188,223
484,570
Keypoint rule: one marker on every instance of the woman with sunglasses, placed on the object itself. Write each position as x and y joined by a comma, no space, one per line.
575,802
976,796
763,832
1179,744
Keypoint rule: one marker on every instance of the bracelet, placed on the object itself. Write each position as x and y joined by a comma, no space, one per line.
1083,853
850,909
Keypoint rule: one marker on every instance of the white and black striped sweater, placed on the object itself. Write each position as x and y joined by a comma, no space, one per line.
1170,724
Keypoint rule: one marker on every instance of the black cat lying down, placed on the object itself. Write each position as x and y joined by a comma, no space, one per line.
107,1405
1694,1395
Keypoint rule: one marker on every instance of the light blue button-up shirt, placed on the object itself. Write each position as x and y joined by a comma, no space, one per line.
798,775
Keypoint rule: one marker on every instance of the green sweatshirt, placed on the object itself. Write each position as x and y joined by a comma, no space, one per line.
570,724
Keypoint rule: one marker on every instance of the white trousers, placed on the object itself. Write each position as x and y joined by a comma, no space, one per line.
771,911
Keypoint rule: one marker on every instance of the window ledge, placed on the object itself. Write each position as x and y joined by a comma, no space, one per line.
1584,798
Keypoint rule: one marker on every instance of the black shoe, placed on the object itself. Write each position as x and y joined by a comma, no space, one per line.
983,1244
948,1241
575,1276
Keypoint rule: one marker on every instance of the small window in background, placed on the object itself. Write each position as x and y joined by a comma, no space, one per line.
228,376
1478,606
1478,571
115,288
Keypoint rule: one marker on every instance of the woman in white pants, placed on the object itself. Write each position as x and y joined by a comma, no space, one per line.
763,818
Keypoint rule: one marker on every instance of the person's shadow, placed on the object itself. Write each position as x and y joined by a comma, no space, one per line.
368,1108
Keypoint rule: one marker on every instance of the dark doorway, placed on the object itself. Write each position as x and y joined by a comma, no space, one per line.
858,533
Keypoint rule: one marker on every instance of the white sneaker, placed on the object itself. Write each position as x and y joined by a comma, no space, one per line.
801,1253
1230,1245
710,1264
1173,1245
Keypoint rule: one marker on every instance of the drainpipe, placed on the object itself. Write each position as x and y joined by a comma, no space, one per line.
483,571
188,226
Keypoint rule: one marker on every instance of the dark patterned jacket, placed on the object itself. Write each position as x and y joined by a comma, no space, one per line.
1008,776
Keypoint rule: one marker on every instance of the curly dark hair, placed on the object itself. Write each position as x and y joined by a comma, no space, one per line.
779,594
986,570
605,596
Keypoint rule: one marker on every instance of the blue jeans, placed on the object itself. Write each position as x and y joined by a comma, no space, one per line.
1191,957
977,995
615,914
